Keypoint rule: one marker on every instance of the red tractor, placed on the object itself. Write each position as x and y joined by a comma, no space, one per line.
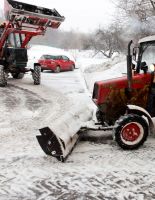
126,105
23,22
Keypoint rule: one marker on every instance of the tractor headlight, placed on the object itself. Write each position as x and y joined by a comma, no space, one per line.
152,67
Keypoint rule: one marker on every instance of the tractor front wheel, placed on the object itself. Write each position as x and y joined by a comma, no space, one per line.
131,131
3,76
36,74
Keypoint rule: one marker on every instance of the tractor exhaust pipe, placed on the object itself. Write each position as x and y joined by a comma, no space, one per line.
129,69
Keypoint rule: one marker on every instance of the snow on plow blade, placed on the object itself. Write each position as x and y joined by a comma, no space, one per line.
63,134
31,14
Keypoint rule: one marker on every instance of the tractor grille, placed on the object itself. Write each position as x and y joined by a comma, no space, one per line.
17,54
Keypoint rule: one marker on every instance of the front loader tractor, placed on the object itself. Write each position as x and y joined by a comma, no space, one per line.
125,105
23,21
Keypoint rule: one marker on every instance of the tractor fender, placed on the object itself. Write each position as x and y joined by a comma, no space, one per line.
142,112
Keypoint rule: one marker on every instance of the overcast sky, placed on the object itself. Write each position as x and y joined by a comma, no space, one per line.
81,15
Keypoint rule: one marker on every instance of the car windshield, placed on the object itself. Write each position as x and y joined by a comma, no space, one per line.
57,57
148,54
49,57
54,57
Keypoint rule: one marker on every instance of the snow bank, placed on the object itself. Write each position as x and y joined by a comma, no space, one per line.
106,64
103,69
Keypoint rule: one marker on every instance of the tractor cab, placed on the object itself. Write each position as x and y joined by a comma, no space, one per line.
144,54
146,62
15,56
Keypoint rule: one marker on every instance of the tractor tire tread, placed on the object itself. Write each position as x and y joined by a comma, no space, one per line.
121,122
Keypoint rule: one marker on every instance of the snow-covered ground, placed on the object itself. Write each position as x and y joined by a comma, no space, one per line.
96,169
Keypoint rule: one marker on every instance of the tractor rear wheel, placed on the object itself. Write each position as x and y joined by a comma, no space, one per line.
18,75
131,131
36,74
3,76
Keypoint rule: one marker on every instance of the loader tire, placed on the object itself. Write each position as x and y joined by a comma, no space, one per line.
3,76
131,131
36,74
18,75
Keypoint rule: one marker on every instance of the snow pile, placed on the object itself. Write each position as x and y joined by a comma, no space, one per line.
107,64
104,69
70,122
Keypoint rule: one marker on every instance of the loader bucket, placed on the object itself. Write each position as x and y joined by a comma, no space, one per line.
30,14
55,146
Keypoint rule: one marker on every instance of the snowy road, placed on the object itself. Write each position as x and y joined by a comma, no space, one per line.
96,169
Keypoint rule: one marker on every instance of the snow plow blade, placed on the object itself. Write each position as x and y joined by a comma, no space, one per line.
31,14
54,146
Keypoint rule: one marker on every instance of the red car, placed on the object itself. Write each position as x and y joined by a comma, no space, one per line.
56,63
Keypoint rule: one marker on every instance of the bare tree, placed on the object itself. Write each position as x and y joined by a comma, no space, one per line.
142,9
107,41
137,16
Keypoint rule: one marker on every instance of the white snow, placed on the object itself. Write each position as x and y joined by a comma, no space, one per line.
96,169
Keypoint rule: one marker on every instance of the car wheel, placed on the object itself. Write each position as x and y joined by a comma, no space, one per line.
57,69
42,70
72,67
131,131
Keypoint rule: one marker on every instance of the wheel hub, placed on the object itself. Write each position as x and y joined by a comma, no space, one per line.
131,132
